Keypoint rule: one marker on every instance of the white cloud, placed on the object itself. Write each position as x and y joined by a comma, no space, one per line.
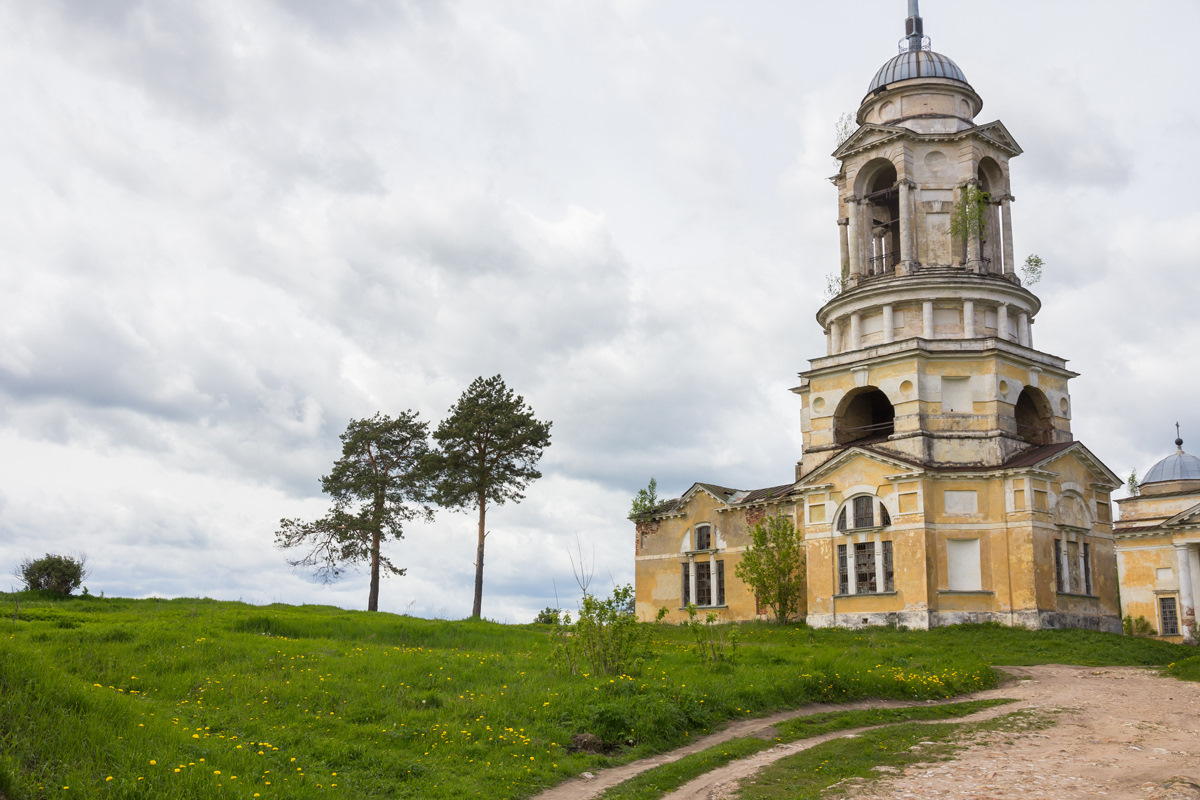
230,227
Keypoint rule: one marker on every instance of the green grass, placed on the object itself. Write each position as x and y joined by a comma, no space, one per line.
285,697
660,780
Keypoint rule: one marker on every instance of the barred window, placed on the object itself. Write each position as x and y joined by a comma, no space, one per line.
1058,565
889,575
707,594
843,570
864,568
687,583
1087,568
1169,616
864,514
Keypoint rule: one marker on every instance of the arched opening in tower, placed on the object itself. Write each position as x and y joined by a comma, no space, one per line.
883,207
865,415
991,248
1033,417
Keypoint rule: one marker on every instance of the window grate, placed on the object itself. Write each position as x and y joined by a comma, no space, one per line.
864,511
843,571
1169,615
864,568
889,575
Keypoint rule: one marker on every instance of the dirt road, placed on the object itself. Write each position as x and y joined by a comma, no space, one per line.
1117,732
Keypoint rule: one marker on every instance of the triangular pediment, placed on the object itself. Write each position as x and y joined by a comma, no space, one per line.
996,133
868,135
1188,518
720,493
822,473
1099,472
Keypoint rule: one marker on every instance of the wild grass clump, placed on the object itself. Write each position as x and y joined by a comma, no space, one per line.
173,698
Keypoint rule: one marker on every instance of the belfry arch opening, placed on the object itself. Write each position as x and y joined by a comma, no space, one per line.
865,414
1034,420
881,195
991,240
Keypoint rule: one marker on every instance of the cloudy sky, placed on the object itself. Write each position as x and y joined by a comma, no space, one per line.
230,227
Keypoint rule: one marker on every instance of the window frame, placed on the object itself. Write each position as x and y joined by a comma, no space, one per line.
853,507
1162,615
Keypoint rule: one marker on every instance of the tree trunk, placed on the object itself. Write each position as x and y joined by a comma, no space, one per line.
373,600
477,609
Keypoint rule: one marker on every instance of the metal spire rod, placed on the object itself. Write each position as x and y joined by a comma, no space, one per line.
913,27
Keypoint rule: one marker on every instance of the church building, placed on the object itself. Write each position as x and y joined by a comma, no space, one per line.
939,482
1158,547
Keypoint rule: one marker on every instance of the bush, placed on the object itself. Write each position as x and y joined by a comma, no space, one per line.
61,574
607,639
548,616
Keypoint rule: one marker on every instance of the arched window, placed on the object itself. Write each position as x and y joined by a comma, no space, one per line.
703,537
864,511
864,414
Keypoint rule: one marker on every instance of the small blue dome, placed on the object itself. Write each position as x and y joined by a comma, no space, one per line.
1176,467
917,64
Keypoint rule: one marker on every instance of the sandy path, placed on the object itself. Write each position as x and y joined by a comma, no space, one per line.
1122,733
1118,732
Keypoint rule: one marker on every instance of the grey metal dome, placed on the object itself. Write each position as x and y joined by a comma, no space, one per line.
1178,466
916,63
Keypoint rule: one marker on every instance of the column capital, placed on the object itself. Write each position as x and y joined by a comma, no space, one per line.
844,221
854,199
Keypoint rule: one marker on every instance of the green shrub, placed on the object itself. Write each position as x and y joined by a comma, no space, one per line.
60,574
607,638
548,616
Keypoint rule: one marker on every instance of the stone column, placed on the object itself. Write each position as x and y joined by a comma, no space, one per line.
829,340
1194,558
1010,270
844,237
879,582
888,325
906,223
854,243
855,331
835,328
927,319
968,319
1187,614
1002,321
1023,329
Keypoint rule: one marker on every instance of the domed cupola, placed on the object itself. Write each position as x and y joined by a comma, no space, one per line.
919,85
916,64
1177,472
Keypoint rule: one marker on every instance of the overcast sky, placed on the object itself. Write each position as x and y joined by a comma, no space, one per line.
231,227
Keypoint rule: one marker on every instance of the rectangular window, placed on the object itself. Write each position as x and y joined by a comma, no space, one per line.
843,572
889,580
1087,568
1058,565
720,583
687,584
864,568
703,537
1167,614
864,512
703,584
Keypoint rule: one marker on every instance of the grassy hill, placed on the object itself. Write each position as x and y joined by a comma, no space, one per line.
196,698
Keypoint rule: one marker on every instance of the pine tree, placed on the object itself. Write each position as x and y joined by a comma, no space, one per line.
489,448
383,479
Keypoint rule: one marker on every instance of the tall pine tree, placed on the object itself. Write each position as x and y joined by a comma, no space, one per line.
490,445
383,479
